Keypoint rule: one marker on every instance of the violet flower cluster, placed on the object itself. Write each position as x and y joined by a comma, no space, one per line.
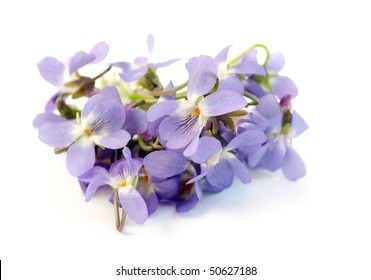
151,143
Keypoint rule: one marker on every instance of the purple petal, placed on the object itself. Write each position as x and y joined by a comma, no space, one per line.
232,84
255,157
110,93
59,134
80,157
126,166
136,121
248,67
188,204
220,175
115,140
221,102
298,125
283,86
89,175
293,166
221,57
134,74
133,204
274,157
276,62
178,131
269,106
47,117
98,181
151,201
99,51
250,137
50,105
150,42
203,173
168,188
164,164
239,169
163,108
164,63
202,76
211,188
208,146
255,88
79,60
51,69
192,147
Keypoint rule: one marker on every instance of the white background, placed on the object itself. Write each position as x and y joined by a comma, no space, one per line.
315,228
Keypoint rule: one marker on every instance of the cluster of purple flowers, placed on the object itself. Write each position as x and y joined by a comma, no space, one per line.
170,143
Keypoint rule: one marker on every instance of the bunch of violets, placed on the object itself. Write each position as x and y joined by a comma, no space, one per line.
149,142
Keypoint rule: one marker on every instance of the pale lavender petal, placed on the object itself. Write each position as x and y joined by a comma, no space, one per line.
239,169
188,204
79,60
136,121
47,117
298,125
59,134
220,175
114,140
140,61
254,120
110,93
150,42
133,204
89,175
221,102
178,131
163,108
233,84
255,88
80,157
293,166
283,86
51,69
208,146
134,74
248,67
269,106
125,166
202,76
203,173
192,147
274,157
99,51
164,63
221,57
255,157
164,164
151,201
211,188
251,137
98,181
276,62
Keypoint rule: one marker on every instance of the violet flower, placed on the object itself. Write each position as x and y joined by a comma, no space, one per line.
123,177
101,123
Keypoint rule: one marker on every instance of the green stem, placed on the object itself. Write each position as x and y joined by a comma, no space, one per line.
166,92
252,97
101,74
214,128
143,145
238,57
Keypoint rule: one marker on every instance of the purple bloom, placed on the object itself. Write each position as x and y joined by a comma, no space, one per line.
219,164
101,123
186,118
134,71
61,74
282,127
123,177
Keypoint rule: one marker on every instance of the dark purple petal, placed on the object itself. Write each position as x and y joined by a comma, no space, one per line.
274,157
114,140
276,62
150,42
298,125
51,69
293,166
221,57
250,137
163,108
188,204
221,102
202,76
80,157
164,164
220,175
47,117
99,51
98,181
79,60
164,63
283,86
208,146
233,84
136,121
133,204
59,134
239,169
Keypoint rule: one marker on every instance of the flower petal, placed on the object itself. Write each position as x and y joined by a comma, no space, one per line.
208,146
220,175
59,134
99,51
160,109
51,69
274,157
79,60
293,166
255,157
47,117
98,181
150,43
239,169
164,63
114,140
164,164
255,88
248,67
168,188
80,157
233,84
133,204
251,137
136,121
192,147
202,76
221,57
276,62
221,102
134,74
268,106
283,86
89,175
298,125
189,203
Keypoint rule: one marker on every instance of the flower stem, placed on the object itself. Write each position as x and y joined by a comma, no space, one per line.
255,100
120,222
235,60
101,74
143,145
